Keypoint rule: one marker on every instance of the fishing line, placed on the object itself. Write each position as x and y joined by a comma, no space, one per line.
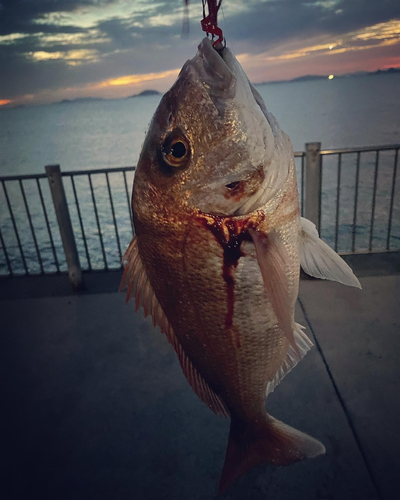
225,26
185,23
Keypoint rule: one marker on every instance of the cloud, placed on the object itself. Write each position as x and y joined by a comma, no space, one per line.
271,22
22,16
49,45
379,35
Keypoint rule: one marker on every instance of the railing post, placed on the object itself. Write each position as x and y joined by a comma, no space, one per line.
313,177
64,223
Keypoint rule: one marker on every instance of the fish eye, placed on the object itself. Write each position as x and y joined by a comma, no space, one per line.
176,150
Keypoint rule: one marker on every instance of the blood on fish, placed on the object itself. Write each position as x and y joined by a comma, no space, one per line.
230,234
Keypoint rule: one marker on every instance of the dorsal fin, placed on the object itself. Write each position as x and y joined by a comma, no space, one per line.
138,286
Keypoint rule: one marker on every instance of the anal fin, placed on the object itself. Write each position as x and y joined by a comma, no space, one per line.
293,356
138,285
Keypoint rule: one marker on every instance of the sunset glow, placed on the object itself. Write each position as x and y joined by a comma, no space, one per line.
102,49
135,79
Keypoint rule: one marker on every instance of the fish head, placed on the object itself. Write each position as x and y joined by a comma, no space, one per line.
212,145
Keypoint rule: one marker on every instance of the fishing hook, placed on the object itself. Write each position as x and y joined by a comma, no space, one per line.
209,23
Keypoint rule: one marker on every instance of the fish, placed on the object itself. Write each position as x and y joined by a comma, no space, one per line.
217,251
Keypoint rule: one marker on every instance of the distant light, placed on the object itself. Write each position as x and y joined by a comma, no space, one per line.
330,47
331,77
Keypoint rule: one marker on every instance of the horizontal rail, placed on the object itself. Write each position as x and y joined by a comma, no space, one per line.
365,149
67,173
97,171
22,177
370,252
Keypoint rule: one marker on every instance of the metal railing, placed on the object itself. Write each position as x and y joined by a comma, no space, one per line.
360,203
350,194
98,211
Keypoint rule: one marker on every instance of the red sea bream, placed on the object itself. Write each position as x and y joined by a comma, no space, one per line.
217,252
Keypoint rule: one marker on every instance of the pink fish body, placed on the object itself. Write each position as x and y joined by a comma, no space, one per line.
216,256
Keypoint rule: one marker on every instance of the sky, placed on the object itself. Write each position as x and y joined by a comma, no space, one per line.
65,49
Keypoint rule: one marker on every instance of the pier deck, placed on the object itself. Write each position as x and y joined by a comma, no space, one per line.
96,405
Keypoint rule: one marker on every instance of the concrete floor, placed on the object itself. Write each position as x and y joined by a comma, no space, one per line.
96,405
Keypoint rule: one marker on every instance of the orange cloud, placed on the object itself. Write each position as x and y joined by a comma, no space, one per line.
135,79
3,102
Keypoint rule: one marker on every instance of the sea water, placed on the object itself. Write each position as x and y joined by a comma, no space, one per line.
342,112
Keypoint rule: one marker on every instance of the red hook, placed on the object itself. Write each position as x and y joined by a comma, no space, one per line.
209,23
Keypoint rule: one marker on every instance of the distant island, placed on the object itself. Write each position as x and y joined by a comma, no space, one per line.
307,78
79,99
144,93
95,99
384,71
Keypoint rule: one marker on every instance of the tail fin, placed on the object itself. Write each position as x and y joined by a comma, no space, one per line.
273,442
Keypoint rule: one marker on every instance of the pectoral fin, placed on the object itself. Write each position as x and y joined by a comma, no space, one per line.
319,260
138,285
273,260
